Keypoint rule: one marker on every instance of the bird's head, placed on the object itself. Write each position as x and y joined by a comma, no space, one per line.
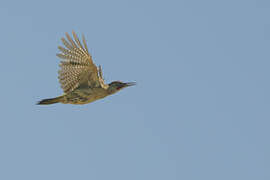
118,85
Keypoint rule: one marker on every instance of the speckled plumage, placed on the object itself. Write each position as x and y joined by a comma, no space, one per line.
80,79
78,67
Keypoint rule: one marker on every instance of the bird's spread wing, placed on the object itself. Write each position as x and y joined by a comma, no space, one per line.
78,67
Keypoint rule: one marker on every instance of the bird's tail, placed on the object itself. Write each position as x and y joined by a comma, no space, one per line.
50,101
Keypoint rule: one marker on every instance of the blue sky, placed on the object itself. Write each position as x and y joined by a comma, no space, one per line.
200,109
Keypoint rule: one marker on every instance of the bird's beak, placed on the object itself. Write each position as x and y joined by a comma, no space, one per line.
130,84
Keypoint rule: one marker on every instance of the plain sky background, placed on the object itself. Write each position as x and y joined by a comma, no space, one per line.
200,110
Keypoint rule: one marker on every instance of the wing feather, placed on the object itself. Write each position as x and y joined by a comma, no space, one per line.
77,40
71,41
101,79
66,44
78,67
84,43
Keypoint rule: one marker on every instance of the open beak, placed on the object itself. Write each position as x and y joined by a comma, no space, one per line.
130,84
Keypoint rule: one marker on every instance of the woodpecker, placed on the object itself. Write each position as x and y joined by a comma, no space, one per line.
80,79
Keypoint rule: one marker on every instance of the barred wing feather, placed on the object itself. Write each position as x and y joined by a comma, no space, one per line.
78,67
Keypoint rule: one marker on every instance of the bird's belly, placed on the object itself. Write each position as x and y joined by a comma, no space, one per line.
85,96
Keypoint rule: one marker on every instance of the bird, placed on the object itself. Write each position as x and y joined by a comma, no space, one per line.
81,80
